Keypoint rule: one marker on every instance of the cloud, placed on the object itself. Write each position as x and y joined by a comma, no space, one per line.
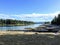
4,16
31,17
34,15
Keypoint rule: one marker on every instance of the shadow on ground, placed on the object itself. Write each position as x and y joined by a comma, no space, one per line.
35,39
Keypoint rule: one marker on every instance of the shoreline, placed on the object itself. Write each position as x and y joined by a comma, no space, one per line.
43,29
14,25
28,38
26,33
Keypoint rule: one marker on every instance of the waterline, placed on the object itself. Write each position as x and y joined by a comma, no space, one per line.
19,27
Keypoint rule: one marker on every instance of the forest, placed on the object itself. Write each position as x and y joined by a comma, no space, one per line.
56,20
10,22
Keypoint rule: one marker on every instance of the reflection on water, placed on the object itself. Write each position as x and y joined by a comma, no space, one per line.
18,27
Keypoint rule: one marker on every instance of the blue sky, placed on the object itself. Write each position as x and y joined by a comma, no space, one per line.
30,10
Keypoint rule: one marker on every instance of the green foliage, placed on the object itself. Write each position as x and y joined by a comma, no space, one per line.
47,22
56,20
14,22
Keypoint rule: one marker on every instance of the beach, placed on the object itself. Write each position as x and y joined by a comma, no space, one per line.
27,33
43,35
28,38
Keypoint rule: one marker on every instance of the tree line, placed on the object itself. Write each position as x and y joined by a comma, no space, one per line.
56,20
14,22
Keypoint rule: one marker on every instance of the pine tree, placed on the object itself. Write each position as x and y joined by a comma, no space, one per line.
56,20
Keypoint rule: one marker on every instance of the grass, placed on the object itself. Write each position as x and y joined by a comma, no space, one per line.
33,39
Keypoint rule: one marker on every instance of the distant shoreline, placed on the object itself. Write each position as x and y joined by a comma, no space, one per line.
15,24
11,22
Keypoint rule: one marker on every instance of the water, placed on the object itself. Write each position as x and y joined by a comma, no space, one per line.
18,27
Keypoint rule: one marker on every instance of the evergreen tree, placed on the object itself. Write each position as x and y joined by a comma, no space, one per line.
56,20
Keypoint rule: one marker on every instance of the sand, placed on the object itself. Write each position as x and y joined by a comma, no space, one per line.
27,33
29,38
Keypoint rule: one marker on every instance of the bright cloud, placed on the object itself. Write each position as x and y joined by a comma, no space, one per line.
31,17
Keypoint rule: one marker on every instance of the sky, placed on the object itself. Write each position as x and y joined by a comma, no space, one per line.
29,10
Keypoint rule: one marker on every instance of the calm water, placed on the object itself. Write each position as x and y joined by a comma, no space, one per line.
18,27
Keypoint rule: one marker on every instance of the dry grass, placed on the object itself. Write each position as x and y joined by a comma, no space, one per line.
28,38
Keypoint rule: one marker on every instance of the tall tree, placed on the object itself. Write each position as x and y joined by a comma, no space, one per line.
56,20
